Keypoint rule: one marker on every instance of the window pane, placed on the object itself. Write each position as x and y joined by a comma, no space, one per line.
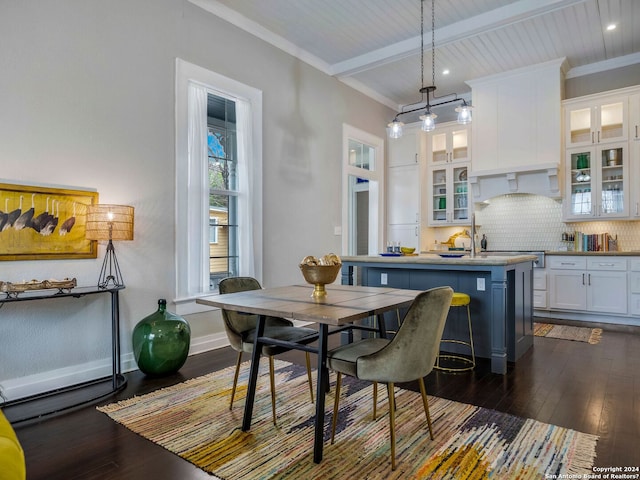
222,148
361,155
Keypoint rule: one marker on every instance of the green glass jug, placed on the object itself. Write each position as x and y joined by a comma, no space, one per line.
161,341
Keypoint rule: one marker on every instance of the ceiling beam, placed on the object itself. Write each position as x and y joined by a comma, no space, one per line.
498,18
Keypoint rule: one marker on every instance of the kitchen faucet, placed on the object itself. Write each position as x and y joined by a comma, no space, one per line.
473,235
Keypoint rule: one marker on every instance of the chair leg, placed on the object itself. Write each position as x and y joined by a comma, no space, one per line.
425,402
309,375
392,424
334,421
473,353
375,398
273,388
235,379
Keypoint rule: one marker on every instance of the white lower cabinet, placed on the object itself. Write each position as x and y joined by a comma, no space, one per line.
634,287
539,288
590,284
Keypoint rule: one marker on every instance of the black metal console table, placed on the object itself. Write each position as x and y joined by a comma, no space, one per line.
118,381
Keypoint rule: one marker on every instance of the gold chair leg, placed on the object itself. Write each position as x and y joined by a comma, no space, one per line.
375,398
473,353
235,379
392,424
334,421
425,402
309,375
273,388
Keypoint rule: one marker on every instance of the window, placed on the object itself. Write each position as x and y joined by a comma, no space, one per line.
218,187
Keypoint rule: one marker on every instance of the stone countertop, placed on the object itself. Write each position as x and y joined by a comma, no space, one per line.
604,254
435,259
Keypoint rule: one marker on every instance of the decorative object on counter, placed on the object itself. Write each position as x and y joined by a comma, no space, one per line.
595,242
110,222
407,250
457,240
161,341
14,289
321,271
483,243
32,220
451,255
394,129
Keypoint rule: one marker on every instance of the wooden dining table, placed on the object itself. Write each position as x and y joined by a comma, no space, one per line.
342,306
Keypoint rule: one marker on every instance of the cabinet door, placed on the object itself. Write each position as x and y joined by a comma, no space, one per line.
459,195
449,144
580,183
449,195
613,181
594,122
403,195
439,186
568,290
598,182
407,235
607,292
404,150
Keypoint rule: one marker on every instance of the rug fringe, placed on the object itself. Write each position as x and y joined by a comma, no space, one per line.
596,336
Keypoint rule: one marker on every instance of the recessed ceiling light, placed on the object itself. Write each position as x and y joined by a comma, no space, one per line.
611,26
445,71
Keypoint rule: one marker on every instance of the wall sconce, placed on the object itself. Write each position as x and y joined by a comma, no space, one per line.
109,222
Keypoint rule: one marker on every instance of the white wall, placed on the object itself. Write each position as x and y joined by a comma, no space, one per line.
87,95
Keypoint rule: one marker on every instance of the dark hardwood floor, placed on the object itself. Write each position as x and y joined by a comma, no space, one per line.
590,388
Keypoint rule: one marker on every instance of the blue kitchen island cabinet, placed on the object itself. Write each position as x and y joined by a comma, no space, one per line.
500,287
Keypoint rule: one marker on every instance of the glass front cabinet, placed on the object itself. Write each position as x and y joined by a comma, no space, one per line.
449,201
598,182
449,143
596,122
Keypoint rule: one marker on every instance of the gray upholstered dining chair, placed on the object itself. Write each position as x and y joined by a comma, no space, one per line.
409,356
241,327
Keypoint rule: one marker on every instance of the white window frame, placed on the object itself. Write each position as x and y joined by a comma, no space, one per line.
376,187
192,190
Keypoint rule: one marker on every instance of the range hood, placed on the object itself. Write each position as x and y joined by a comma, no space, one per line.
538,180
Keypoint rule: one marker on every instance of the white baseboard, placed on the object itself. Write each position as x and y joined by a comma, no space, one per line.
17,388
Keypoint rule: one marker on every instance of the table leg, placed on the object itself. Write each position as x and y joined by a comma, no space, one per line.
323,385
253,374
382,326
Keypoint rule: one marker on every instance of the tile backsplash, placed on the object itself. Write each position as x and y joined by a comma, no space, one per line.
532,222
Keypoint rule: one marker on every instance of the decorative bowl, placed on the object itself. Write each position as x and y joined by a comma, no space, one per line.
319,276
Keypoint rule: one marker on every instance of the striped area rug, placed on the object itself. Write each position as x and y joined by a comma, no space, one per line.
192,420
568,332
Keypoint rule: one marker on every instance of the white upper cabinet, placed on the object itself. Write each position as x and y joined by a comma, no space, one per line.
405,150
594,122
449,143
598,182
517,118
602,160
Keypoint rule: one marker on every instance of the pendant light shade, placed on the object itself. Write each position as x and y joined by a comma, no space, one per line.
428,121
464,113
394,129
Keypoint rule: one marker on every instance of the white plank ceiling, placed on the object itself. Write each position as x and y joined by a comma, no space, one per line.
374,45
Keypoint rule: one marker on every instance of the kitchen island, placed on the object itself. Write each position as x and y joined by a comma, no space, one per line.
500,287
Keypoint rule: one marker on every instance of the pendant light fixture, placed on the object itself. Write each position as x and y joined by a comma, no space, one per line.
394,129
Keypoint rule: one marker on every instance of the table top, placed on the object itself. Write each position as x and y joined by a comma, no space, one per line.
343,303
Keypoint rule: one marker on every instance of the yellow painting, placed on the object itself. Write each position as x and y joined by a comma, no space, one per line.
41,223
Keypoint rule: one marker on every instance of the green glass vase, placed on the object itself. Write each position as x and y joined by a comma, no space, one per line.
161,341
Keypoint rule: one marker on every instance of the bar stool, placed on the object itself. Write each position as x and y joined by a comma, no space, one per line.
459,300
